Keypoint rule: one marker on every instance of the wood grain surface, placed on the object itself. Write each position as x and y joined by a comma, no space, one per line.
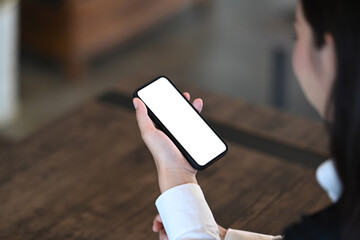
89,176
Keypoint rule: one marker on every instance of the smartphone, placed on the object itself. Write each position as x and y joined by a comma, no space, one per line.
181,122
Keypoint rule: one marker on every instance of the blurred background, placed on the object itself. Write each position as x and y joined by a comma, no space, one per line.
57,54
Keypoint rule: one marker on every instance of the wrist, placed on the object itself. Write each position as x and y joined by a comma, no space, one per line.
169,178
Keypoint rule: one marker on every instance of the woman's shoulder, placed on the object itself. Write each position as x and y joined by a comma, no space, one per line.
323,225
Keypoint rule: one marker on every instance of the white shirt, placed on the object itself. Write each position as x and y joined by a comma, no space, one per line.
329,180
186,215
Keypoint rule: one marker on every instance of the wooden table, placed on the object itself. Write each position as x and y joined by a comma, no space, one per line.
89,175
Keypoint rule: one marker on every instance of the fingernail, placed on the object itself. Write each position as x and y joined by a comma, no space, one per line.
135,103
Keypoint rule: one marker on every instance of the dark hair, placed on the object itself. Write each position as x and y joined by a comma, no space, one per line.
341,18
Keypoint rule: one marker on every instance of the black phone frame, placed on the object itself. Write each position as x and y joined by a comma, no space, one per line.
161,126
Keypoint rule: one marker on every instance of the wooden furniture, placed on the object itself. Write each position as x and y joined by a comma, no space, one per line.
90,176
73,31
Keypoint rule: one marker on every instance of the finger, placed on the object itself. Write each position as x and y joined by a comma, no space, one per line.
154,226
158,218
187,95
145,124
163,235
198,104
157,225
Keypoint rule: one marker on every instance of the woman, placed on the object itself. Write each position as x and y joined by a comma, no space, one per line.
326,61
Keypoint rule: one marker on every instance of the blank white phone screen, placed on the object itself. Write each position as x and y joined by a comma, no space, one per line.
182,121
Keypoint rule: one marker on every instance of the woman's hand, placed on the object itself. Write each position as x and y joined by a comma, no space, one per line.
159,228
173,169
222,232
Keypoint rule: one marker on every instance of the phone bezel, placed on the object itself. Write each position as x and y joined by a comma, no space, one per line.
161,126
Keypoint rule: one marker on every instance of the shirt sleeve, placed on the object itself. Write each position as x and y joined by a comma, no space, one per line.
186,215
243,235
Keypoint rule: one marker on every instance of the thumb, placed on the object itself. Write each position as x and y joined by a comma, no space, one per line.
146,126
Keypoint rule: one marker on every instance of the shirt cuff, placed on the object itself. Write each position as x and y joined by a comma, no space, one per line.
232,234
185,213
